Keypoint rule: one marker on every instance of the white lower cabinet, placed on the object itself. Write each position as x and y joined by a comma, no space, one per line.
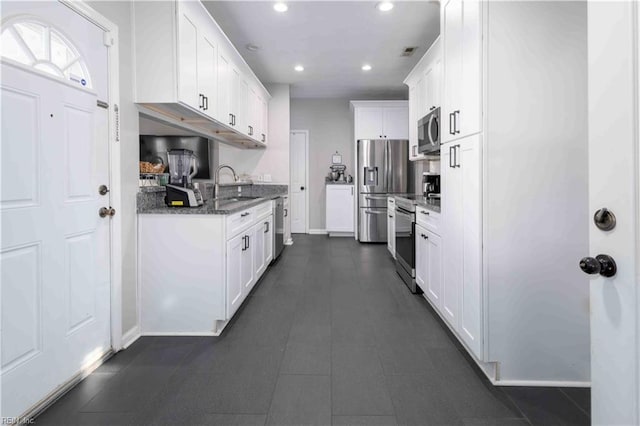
462,247
429,265
197,288
339,209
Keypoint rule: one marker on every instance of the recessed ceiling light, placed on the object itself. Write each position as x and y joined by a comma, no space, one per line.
252,47
366,67
385,6
299,68
280,7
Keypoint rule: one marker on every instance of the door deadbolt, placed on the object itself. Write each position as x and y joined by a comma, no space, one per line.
604,219
603,264
104,212
103,189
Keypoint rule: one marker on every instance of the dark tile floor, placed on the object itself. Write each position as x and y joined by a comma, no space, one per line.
329,336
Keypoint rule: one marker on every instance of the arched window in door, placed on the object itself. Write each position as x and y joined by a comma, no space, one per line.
36,44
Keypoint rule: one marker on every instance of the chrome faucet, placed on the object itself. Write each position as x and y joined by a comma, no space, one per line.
216,187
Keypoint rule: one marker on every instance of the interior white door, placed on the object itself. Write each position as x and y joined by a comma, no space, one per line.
614,86
299,192
55,254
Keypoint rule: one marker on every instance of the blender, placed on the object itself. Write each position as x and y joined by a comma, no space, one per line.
182,168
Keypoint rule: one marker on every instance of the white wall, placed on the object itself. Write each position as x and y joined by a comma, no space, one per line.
330,126
120,14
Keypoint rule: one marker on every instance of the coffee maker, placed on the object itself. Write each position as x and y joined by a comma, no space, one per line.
182,168
431,185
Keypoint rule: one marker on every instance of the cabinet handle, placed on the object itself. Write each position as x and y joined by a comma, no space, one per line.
206,103
456,114
451,124
352,190
250,130
413,150
266,227
286,212
451,157
457,150
244,242
391,216
245,214
230,119
201,101
248,239
424,212
264,138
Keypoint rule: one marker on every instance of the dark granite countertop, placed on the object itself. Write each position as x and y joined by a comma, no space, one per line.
432,204
220,206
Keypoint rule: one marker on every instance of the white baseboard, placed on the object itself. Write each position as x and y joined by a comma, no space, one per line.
317,232
289,242
543,383
341,234
130,337
183,333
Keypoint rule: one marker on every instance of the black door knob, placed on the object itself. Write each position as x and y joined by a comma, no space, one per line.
603,264
604,219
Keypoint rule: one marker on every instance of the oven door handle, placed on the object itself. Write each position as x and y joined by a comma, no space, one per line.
402,213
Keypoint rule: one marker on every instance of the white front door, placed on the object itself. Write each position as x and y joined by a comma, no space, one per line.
299,192
614,151
55,248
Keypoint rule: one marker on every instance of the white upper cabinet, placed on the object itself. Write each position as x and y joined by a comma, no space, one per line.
186,70
461,114
424,84
381,119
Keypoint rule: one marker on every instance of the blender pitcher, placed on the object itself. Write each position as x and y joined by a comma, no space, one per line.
181,164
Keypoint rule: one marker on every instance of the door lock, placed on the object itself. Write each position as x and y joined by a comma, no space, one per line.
604,219
302,188
104,212
603,264
103,189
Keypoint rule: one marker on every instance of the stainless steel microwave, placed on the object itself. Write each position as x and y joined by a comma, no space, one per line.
429,133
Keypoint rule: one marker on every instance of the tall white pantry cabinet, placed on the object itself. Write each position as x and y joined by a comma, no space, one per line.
514,188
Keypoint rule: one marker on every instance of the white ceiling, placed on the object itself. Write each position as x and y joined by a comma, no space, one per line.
332,40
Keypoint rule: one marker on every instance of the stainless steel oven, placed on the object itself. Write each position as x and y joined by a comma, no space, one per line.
429,133
405,242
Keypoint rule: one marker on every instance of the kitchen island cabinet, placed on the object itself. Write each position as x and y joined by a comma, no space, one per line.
195,270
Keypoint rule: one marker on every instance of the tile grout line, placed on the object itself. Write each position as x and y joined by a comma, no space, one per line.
575,402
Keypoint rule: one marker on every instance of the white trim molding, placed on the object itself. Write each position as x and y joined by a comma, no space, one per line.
130,337
317,232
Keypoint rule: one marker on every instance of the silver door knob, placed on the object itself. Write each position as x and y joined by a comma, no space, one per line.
107,211
103,189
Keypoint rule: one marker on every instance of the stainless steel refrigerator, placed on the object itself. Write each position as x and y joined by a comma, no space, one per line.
383,168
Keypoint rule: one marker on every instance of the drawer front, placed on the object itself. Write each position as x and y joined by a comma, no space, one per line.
239,221
263,210
429,219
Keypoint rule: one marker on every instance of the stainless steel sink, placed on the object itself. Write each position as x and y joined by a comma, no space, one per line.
226,202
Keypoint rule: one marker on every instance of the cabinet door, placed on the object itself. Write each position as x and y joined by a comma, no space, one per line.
259,264
207,55
436,83
471,298
421,95
247,260
452,56
253,112
421,253
224,81
452,217
339,204
413,123
395,122
235,252
369,123
188,56
433,266
265,121
470,117
244,107
268,240
234,93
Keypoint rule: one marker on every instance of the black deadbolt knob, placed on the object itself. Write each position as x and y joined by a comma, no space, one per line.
603,264
589,265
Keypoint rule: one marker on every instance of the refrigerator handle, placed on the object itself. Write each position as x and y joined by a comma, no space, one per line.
387,165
